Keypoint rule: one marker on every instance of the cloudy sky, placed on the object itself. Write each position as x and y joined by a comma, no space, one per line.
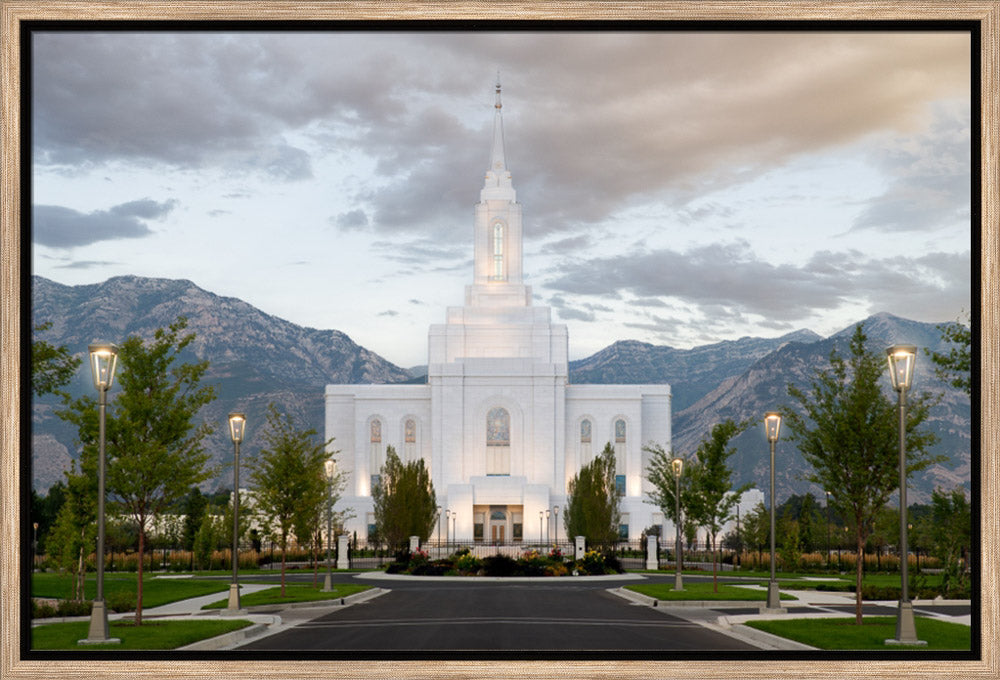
677,188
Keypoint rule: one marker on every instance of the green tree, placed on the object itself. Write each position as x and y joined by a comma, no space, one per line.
205,541
193,507
847,432
951,536
405,503
51,367
154,450
660,474
74,531
756,530
592,502
285,476
713,499
955,366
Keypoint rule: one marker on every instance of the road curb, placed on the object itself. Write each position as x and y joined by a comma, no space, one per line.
649,601
227,639
345,601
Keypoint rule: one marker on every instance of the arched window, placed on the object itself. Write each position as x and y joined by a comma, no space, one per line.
498,274
586,453
620,452
410,440
498,442
376,455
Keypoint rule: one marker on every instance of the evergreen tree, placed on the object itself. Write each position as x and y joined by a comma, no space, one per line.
592,502
154,450
847,432
405,503
951,536
193,507
286,476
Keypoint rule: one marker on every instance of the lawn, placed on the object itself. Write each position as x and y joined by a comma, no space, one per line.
150,635
702,591
155,591
872,634
294,592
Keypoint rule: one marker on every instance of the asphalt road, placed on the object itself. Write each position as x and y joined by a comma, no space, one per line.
496,617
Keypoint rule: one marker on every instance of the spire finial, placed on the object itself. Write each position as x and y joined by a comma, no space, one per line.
498,104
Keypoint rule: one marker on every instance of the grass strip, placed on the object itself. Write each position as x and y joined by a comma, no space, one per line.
154,591
871,634
703,591
294,592
150,635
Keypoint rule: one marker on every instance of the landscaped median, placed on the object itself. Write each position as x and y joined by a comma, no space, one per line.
697,594
294,593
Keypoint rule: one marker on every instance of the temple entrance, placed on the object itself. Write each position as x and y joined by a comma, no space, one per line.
498,524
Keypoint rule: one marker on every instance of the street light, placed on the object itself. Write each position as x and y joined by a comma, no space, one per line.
103,361
772,427
901,361
827,528
546,525
237,426
447,527
439,529
329,467
677,465
34,545
541,516
556,511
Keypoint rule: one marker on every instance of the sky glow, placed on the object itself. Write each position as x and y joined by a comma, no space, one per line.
677,188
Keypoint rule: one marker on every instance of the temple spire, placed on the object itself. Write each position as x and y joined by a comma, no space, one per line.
498,161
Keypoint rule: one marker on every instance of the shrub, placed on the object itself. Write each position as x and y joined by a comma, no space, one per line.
73,608
467,563
41,609
121,601
499,565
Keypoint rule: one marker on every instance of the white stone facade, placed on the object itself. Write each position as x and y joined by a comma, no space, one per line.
498,423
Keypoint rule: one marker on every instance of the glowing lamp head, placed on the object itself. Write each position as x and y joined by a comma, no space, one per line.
677,464
772,425
901,360
237,426
329,467
103,360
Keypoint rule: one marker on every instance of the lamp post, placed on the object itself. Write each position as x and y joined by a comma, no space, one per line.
447,528
827,528
772,427
237,427
556,511
901,361
541,516
329,467
34,545
439,529
546,525
677,465
103,361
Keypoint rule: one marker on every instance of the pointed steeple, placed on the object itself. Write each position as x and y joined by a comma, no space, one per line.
498,161
498,184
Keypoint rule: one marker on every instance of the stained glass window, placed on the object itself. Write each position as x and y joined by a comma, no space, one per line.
585,432
619,430
376,435
411,431
498,427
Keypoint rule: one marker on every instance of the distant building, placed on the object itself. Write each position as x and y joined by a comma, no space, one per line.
498,424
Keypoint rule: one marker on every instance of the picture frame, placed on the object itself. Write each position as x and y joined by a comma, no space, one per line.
14,13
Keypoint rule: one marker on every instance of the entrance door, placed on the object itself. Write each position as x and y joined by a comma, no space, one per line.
498,526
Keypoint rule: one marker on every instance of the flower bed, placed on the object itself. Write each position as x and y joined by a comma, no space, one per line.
528,563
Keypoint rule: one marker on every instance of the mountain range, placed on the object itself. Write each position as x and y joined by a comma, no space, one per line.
256,359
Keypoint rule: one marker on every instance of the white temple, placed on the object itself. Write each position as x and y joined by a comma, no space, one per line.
498,424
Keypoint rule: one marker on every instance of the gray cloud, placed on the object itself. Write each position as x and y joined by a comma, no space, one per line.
87,264
388,312
59,227
931,179
725,282
645,114
351,220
